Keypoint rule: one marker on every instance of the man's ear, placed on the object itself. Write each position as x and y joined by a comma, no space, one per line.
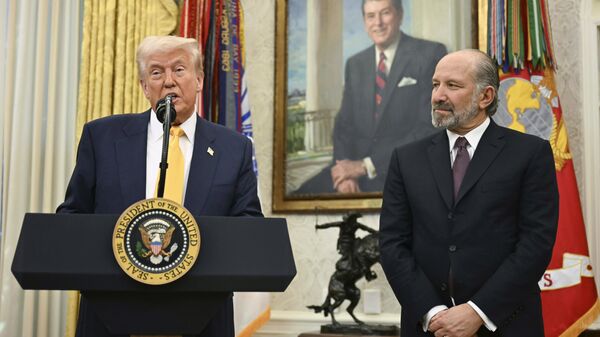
199,83
486,97
144,88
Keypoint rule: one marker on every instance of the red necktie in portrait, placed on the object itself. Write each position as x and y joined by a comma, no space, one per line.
380,79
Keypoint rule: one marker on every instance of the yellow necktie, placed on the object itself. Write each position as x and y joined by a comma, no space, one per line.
176,169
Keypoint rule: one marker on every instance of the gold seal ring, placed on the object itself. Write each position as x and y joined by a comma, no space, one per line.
156,241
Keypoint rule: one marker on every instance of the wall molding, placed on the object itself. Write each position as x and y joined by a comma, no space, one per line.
292,323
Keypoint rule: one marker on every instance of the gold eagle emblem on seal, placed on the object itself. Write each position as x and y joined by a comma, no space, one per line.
156,241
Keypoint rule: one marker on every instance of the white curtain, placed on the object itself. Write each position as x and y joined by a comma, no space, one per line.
39,64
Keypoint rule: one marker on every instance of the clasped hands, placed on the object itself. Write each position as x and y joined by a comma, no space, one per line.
458,321
345,174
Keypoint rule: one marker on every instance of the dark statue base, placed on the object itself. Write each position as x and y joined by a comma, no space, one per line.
361,330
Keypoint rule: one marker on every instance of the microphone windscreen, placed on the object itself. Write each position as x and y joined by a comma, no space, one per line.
161,108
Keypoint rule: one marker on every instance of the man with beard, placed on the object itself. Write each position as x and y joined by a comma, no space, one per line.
469,214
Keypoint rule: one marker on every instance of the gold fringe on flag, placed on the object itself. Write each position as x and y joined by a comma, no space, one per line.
259,321
584,322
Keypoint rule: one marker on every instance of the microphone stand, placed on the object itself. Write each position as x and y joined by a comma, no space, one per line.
165,148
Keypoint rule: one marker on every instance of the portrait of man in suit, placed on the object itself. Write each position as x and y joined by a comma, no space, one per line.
469,214
118,158
385,103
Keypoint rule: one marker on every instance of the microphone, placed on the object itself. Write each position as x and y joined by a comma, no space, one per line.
162,106
165,112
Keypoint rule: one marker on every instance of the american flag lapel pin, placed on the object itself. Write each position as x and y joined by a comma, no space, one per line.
210,151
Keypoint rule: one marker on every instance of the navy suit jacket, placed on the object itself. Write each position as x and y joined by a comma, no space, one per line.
110,175
496,237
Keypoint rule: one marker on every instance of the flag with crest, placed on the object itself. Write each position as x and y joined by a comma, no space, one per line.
517,34
218,25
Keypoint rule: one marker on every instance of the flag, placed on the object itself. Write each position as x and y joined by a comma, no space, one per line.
218,25
529,102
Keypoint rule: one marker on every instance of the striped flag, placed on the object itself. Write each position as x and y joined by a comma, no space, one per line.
529,102
218,25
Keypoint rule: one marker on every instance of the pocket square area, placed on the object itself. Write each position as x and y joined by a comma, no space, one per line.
407,81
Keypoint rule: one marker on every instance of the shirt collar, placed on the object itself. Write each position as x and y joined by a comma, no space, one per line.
155,129
389,52
473,136
189,127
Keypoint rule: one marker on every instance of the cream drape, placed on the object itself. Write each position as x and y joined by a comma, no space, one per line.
112,30
38,90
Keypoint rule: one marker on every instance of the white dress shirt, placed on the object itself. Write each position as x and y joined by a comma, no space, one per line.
473,137
389,52
154,151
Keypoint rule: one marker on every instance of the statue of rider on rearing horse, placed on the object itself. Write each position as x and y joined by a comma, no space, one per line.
358,255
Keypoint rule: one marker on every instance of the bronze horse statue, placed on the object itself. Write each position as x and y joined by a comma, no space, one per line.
358,255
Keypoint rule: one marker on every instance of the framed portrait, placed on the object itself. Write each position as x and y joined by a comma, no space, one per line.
350,86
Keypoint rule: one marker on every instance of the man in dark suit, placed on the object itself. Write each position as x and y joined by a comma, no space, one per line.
469,214
385,103
118,158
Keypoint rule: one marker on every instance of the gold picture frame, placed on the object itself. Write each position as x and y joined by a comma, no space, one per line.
283,200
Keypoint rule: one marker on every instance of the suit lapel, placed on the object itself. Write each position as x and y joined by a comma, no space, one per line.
131,158
401,58
367,85
489,147
202,168
439,160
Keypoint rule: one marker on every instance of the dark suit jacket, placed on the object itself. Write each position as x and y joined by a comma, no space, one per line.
110,175
497,237
405,111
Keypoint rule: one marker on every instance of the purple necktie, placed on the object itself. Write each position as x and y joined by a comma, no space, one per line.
380,79
461,162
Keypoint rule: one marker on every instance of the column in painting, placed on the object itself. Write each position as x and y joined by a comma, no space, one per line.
454,16
324,69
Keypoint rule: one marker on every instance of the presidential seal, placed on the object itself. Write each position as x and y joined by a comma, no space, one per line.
156,241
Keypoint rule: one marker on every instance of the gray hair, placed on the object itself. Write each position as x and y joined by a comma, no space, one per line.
484,75
396,3
154,44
